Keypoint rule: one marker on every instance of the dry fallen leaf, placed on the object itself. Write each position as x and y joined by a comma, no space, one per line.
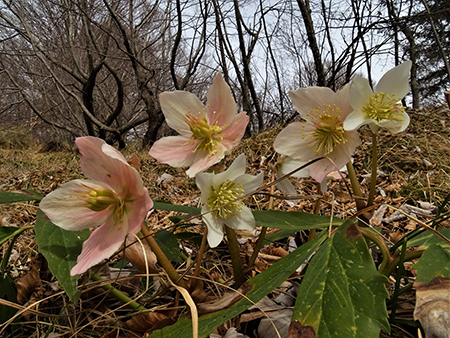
433,307
27,284
139,254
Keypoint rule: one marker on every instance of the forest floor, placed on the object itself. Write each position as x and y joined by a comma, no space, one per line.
414,168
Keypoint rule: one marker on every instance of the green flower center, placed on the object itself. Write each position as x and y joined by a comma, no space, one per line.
384,107
328,131
208,135
99,199
226,192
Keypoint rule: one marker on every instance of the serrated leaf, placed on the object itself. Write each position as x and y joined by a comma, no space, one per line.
342,293
24,195
9,232
164,205
61,249
168,243
293,220
427,239
435,262
261,285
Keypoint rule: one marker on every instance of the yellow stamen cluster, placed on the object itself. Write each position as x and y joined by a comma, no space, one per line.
208,135
382,106
328,129
226,192
99,199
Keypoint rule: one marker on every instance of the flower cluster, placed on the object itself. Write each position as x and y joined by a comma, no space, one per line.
331,119
115,200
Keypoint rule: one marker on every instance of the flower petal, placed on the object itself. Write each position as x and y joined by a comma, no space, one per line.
289,142
233,134
306,99
137,211
101,244
250,183
65,208
99,166
395,126
237,168
395,81
203,160
360,92
174,150
289,164
204,182
175,105
286,185
215,229
220,103
242,221
356,119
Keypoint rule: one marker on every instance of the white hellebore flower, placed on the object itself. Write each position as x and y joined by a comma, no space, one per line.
321,134
219,189
381,107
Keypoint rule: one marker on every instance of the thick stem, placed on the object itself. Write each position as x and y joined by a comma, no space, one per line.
373,179
233,248
162,259
355,186
118,295
408,257
378,240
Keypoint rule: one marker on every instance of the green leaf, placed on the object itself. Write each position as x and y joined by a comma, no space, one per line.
164,205
9,232
293,220
24,195
278,235
61,249
427,239
435,262
168,243
342,293
8,291
261,285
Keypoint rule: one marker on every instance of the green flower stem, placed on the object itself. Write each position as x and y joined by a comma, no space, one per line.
118,295
355,186
379,241
316,210
395,262
260,242
258,246
201,252
162,259
373,179
233,247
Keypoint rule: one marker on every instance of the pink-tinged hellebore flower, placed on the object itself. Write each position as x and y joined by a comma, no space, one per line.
381,107
206,133
114,199
320,134
219,189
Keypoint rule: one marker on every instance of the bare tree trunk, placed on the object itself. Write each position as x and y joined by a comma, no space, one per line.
307,19
412,51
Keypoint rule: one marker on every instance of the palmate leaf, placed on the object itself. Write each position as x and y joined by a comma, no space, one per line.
261,284
61,249
342,293
293,220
